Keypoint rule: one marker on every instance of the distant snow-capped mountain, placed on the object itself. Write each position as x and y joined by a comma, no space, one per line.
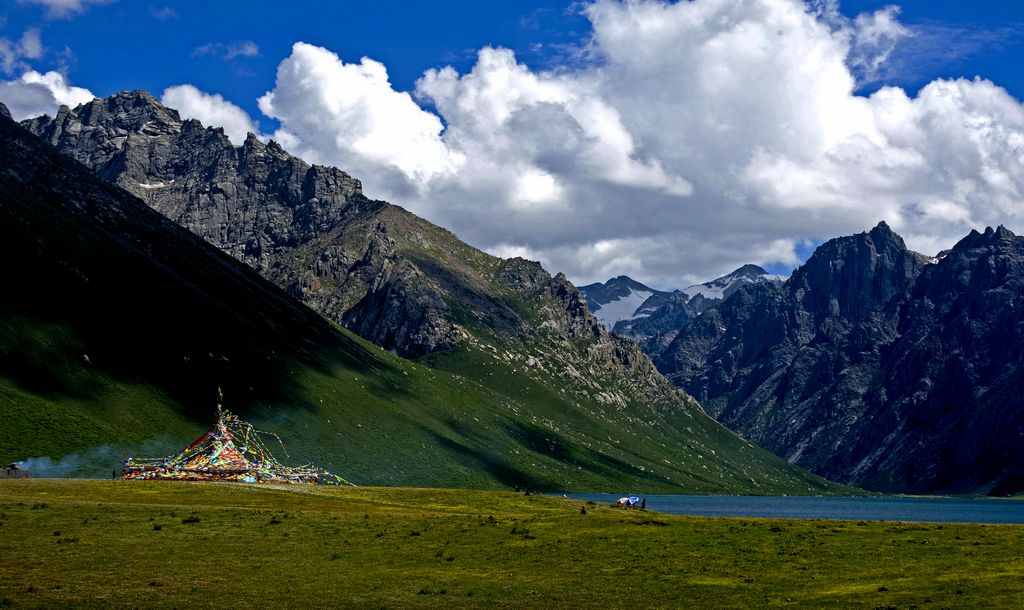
723,287
622,299
627,307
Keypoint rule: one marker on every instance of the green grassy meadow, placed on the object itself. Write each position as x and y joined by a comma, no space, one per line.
77,543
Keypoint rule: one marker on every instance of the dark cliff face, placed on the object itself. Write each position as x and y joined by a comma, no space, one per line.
951,390
852,277
872,366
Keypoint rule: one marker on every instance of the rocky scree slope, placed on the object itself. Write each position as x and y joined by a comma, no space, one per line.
873,364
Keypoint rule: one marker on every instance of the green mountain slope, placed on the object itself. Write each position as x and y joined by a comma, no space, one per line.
116,325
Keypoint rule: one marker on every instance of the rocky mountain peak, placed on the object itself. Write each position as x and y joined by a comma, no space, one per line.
990,237
723,287
626,282
883,228
129,110
854,275
749,271
1002,232
882,234
522,275
621,300
252,201
4,112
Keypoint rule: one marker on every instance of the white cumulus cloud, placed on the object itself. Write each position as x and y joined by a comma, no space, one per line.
212,110
349,115
35,94
701,135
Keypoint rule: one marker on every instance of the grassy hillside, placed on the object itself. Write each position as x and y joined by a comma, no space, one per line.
90,543
390,422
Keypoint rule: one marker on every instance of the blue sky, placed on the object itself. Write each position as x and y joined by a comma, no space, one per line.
759,197
140,45
152,45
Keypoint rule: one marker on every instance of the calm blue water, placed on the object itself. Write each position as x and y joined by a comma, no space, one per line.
935,510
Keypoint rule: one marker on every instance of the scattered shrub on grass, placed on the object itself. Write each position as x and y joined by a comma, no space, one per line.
56,533
427,591
157,527
525,533
335,556
414,533
39,505
190,519
273,521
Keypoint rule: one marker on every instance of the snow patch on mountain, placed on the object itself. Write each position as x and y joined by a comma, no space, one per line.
724,286
623,308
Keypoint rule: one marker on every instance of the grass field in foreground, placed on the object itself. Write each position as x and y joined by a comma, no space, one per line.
112,543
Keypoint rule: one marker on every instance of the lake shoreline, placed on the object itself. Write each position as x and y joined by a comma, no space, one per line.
909,509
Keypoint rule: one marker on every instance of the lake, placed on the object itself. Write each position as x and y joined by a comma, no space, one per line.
934,510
